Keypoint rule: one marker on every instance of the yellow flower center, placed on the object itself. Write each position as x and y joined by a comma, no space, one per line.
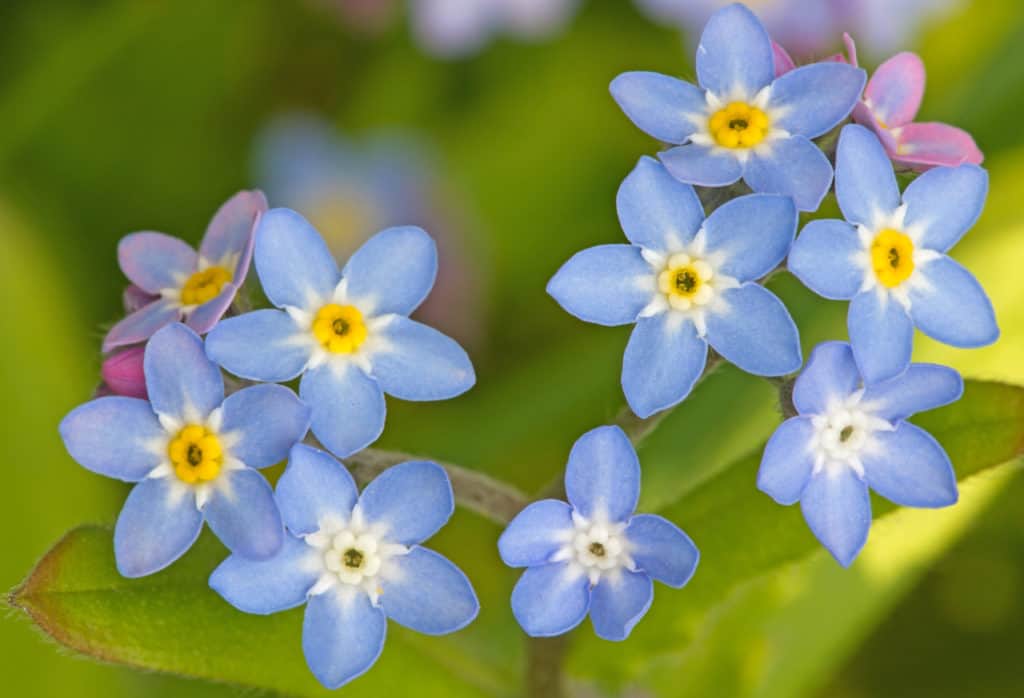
196,454
204,285
685,282
892,257
739,125
339,328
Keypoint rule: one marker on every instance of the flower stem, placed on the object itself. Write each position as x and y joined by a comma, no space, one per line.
544,656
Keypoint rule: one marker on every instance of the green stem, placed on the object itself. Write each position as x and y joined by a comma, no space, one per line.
544,657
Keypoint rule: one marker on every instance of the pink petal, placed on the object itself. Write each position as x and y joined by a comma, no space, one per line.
864,116
134,298
925,145
140,325
229,237
894,92
783,62
122,373
154,261
851,50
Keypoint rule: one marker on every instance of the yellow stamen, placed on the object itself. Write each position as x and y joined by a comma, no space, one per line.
339,328
204,285
739,125
892,257
196,454
685,282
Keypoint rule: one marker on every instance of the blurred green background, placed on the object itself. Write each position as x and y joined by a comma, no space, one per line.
123,116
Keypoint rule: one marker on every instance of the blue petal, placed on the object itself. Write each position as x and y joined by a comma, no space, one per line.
618,602
656,210
602,478
787,461
822,258
881,335
921,387
755,332
793,167
154,261
158,523
865,182
837,507
662,550
663,360
313,486
658,104
259,346
411,501
342,637
830,375
420,363
267,586
816,97
110,436
142,324
753,233
181,381
945,202
909,467
268,420
607,284
292,260
734,53
426,592
550,600
536,533
953,308
347,407
204,317
243,514
393,271
698,164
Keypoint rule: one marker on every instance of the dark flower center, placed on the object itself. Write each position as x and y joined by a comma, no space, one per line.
596,549
353,558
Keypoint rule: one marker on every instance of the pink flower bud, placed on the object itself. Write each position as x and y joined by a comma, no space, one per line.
122,373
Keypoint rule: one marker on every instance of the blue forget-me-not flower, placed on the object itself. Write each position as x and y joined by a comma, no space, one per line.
593,554
345,332
192,454
848,437
355,561
686,282
888,258
741,121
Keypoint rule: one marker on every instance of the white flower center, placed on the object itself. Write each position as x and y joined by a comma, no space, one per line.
350,556
595,547
844,432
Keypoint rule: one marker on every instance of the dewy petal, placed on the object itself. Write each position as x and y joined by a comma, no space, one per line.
952,306
181,381
393,271
313,487
347,407
663,360
752,234
536,533
881,335
230,233
837,507
205,316
787,461
735,53
661,549
142,324
931,144
865,181
658,104
426,592
241,511
814,98
944,203
262,345
909,467
656,210
156,526
420,363
292,260
607,285
110,436
823,259
154,261
699,164
265,421
896,89
342,636
618,602
793,167
550,600
411,501
267,586
755,332
602,479
830,376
